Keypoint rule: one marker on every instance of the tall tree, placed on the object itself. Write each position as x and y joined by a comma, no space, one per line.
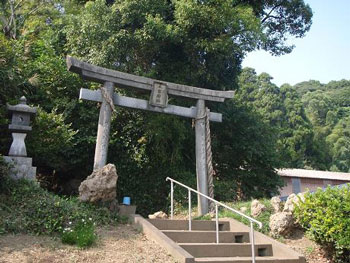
339,142
282,109
195,42
296,134
279,20
328,108
245,154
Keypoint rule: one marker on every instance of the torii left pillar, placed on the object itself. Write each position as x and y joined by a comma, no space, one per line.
104,126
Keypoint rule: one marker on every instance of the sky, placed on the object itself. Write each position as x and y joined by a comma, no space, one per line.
323,54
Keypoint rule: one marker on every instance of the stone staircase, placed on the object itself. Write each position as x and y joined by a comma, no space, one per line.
199,244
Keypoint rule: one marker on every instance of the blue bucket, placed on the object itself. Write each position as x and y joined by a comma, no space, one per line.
126,200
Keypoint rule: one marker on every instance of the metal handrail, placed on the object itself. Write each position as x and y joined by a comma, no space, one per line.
252,220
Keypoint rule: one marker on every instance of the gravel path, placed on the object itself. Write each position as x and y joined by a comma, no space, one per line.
122,244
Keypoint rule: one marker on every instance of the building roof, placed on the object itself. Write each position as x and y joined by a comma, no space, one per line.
302,173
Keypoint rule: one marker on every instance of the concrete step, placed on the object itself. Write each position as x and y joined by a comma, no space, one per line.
204,225
245,260
200,250
198,245
185,236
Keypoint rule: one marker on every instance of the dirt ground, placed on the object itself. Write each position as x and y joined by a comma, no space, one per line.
122,244
312,252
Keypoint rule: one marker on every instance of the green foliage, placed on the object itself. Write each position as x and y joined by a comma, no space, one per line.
168,39
10,73
309,120
325,215
339,143
226,190
123,219
50,140
27,208
151,153
282,109
279,17
328,109
244,154
15,15
11,85
81,234
203,217
4,169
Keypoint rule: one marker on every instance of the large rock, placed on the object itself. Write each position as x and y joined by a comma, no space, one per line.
281,224
256,208
293,200
276,204
100,186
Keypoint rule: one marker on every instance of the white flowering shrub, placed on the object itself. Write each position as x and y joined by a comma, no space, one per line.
81,233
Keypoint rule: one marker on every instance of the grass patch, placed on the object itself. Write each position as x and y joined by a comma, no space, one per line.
27,208
264,217
81,234
203,217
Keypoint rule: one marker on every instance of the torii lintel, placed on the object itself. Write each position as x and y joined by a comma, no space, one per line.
125,80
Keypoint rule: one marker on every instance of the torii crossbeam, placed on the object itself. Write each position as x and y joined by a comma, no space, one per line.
160,90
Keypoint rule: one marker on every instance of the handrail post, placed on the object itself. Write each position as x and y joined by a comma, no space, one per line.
217,203
252,241
189,210
217,223
172,199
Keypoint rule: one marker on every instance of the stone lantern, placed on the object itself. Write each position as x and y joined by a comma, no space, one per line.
20,126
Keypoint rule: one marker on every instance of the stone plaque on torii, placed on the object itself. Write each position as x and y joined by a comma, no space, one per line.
158,102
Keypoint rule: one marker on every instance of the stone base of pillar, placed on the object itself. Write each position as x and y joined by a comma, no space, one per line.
21,167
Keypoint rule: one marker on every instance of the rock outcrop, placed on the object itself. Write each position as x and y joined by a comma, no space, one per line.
276,204
292,200
243,209
158,215
281,224
100,186
257,208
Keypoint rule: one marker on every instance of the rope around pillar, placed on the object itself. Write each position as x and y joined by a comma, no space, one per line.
210,170
209,158
108,99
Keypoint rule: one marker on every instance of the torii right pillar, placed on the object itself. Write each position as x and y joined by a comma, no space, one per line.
201,157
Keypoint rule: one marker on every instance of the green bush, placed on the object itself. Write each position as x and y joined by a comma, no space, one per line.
4,168
27,208
50,140
326,217
225,190
81,234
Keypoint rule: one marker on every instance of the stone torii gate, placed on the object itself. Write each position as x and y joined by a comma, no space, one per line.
158,102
